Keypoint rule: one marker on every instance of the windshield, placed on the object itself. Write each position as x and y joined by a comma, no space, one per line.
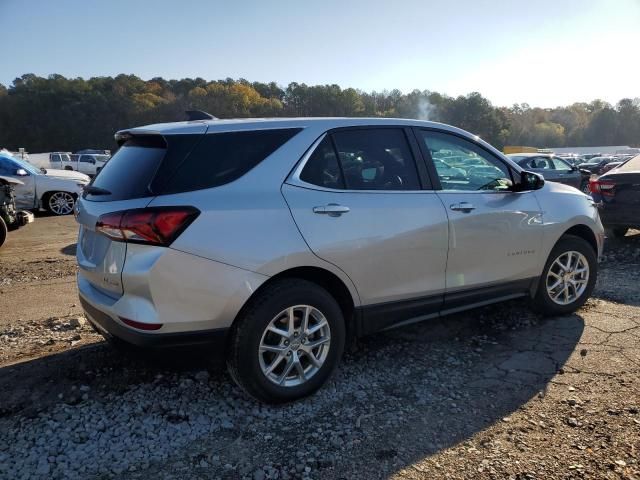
27,166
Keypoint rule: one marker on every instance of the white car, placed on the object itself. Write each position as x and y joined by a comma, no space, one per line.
54,190
89,164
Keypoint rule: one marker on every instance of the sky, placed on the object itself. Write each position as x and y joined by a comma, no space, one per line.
544,52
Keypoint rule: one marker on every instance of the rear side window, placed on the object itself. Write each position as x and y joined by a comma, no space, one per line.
155,165
131,170
376,159
322,168
221,158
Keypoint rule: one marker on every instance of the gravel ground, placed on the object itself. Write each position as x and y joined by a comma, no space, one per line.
493,393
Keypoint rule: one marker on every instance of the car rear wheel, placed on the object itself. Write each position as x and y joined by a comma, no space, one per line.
60,203
287,341
568,277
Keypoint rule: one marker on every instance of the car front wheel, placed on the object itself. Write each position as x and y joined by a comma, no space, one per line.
568,277
287,341
60,203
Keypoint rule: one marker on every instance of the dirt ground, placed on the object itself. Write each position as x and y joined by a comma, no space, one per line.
493,393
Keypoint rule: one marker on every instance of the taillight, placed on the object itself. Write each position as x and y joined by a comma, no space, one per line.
151,226
603,187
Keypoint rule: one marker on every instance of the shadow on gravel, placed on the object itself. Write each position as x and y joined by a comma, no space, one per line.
619,273
69,249
399,396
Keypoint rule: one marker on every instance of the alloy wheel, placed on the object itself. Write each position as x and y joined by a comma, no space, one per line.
61,203
567,277
294,346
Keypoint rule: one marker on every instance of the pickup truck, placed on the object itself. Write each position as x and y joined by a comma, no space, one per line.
89,164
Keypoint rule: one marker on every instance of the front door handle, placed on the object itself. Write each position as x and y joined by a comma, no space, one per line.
465,207
333,210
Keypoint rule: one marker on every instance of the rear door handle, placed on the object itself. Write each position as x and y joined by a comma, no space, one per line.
465,207
333,210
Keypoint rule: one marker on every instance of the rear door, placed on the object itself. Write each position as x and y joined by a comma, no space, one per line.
495,235
361,203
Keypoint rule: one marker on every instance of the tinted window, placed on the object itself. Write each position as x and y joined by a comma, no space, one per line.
540,163
376,159
55,158
322,168
221,158
476,168
128,174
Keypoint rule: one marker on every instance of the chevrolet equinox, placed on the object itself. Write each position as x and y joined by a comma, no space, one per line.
272,241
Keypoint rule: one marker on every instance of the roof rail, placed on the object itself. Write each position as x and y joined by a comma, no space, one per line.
199,115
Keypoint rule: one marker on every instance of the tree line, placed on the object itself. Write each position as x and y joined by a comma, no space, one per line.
68,114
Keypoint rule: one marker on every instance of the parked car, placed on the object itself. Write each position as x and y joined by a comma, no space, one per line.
54,190
274,240
618,193
609,166
596,164
553,168
89,164
10,217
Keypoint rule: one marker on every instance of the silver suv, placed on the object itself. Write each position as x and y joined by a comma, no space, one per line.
273,241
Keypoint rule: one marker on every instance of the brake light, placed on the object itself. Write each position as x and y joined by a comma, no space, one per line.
603,187
151,226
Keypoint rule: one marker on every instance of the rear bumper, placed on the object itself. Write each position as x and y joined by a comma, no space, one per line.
109,327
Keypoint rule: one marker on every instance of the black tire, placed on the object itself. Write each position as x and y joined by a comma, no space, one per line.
243,351
618,232
3,231
542,301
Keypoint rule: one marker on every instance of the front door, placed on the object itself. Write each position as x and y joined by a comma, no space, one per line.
495,235
359,204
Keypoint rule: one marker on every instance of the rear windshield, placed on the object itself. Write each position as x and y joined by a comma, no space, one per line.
156,165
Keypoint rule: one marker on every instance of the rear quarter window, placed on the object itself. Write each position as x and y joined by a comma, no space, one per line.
220,158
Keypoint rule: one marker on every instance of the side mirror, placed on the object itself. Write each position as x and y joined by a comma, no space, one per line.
21,172
92,161
530,181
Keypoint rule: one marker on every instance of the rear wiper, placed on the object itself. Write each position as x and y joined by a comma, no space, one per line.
90,189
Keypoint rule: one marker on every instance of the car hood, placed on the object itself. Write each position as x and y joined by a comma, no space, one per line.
557,187
67,174
11,181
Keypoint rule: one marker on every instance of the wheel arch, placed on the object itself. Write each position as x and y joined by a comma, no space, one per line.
582,231
44,198
325,279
